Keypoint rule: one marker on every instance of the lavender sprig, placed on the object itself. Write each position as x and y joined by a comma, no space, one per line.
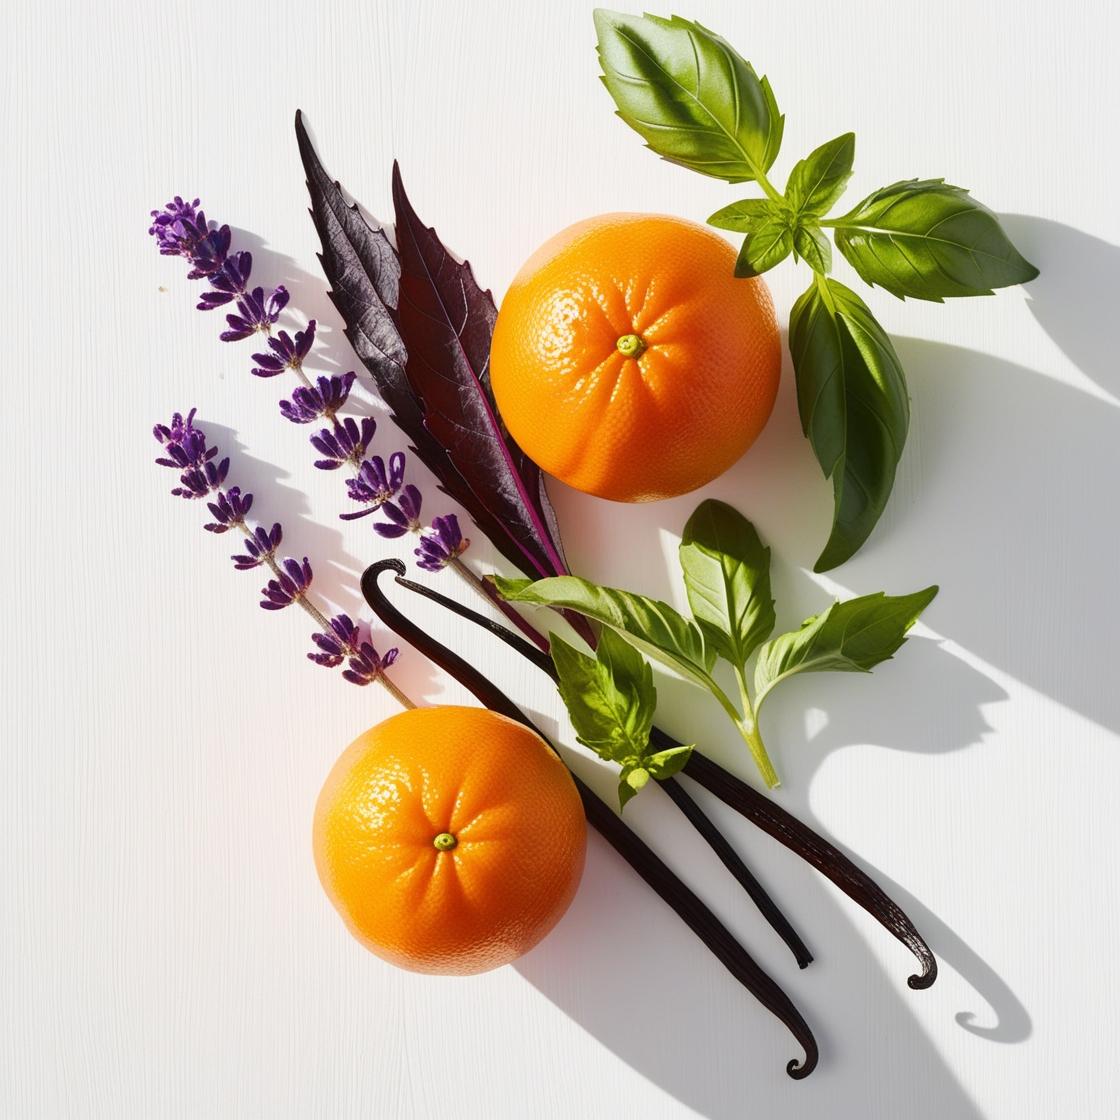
181,229
338,638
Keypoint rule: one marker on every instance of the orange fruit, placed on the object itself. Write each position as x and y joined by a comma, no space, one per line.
629,362
450,839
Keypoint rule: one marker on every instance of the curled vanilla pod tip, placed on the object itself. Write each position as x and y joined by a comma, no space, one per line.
815,850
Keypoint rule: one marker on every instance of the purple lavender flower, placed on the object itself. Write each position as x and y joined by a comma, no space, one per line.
201,481
184,443
365,667
375,485
185,450
255,314
346,642
403,514
441,544
229,510
288,586
169,225
181,230
229,282
287,353
346,442
324,398
260,547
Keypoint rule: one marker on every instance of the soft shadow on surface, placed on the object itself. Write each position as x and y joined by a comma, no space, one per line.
633,976
1016,469
630,973
987,506
1074,297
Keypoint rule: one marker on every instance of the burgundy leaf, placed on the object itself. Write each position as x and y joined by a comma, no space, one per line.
447,322
440,403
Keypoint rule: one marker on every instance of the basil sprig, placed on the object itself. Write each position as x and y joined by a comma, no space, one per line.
726,568
611,699
699,104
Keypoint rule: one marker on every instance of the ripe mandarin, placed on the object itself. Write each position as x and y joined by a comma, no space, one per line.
628,360
449,839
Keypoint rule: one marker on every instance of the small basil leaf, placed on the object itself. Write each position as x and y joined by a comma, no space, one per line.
610,697
636,777
851,393
689,95
631,780
727,576
850,637
817,181
811,245
654,627
769,244
747,214
664,764
930,240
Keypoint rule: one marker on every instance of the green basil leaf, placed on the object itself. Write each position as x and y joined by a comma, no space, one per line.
817,181
769,244
927,239
811,245
851,393
664,764
631,781
610,697
689,95
727,576
748,214
850,637
654,627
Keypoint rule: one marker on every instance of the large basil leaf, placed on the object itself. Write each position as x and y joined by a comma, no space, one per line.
653,626
610,697
727,577
817,181
851,393
927,239
850,637
689,94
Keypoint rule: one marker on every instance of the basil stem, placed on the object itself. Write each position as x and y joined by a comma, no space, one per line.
688,906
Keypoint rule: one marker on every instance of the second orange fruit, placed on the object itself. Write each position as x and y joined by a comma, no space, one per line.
628,360
450,840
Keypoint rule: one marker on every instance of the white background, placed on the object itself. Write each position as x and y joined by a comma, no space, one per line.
167,950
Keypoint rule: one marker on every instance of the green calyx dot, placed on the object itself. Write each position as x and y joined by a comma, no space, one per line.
631,345
445,841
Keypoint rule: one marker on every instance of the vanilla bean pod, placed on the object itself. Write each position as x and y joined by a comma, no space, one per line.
688,906
715,839
759,809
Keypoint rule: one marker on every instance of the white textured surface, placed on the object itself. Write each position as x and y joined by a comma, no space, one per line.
166,948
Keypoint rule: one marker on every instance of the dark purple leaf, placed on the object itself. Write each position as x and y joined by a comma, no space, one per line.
438,395
447,322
